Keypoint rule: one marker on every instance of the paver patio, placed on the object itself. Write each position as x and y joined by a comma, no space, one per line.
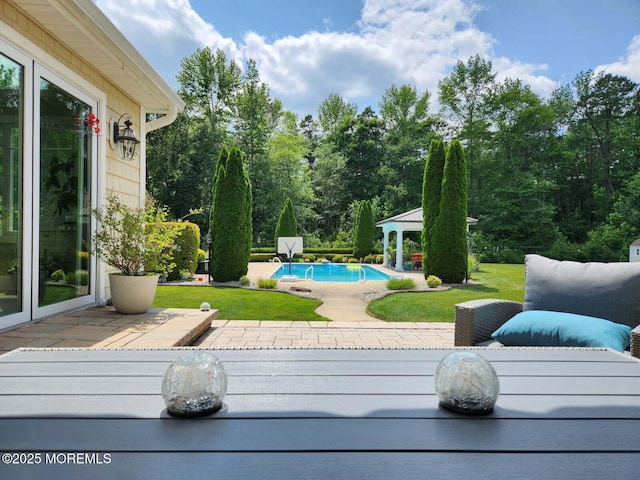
345,304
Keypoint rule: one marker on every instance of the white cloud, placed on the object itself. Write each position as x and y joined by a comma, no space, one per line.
396,41
399,42
628,66
165,32
526,72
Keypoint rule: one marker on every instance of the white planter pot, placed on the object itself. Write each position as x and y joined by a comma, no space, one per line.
132,294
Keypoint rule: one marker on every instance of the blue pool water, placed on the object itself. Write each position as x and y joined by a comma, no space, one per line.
331,272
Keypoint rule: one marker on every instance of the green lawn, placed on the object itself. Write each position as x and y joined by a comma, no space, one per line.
238,303
57,293
498,281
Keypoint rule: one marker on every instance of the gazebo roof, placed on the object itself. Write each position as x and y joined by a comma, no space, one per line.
413,218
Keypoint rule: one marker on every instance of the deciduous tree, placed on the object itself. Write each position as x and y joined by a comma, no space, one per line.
464,96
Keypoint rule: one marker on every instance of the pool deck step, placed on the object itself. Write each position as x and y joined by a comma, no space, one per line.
103,327
170,327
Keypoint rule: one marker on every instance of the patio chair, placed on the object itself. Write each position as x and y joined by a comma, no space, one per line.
565,304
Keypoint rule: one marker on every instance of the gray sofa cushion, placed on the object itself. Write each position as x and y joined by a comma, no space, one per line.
605,290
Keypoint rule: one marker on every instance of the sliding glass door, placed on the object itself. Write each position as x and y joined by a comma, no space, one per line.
48,157
65,152
11,192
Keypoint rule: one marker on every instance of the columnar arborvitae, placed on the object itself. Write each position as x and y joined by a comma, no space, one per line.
222,163
231,220
286,226
431,191
364,230
448,236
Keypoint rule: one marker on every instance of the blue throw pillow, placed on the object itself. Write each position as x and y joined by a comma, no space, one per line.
543,328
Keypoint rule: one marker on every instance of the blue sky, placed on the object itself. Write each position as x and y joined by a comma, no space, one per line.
306,49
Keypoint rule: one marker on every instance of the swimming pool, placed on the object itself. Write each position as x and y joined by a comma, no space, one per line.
331,272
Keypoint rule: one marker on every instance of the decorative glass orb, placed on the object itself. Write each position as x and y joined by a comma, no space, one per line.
467,383
205,307
194,385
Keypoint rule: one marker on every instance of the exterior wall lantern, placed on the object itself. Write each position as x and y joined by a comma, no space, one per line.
125,138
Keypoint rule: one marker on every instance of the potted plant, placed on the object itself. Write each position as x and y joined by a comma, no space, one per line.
138,243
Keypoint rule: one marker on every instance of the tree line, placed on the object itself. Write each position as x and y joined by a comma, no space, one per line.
558,175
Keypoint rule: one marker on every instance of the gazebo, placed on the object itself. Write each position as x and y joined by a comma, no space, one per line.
410,221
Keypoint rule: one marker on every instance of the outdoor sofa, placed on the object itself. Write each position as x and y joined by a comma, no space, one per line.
566,304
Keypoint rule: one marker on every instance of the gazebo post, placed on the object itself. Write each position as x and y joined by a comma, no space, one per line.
399,266
410,221
385,247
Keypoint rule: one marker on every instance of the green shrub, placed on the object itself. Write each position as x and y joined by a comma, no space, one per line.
338,259
433,281
133,240
77,278
328,251
244,280
58,275
267,283
473,264
373,259
401,284
185,275
186,251
262,257
202,255
353,260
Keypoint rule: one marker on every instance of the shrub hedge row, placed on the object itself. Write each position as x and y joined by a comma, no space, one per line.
310,257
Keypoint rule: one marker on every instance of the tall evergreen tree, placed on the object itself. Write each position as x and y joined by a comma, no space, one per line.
231,222
364,230
448,235
431,191
286,226
222,165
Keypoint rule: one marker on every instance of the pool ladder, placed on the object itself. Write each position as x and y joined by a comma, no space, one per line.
362,274
306,273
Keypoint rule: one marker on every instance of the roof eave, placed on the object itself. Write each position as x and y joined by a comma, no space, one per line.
82,26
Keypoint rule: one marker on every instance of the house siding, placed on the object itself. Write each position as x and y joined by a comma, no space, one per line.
120,177
124,178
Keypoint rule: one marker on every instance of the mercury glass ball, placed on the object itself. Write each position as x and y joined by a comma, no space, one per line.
194,385
467,383
205,307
